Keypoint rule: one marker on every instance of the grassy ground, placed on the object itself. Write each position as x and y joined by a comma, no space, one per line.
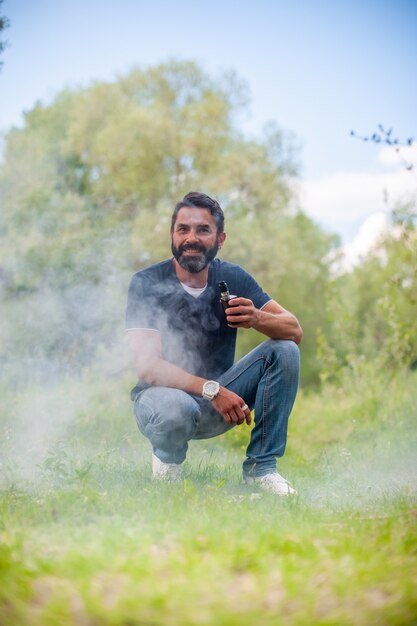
87,538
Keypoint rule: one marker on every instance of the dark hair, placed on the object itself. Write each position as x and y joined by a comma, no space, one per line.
197,200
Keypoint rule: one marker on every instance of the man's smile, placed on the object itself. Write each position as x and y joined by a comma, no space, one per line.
192,250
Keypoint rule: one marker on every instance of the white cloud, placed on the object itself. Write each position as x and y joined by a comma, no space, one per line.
392,156
352,195
369,234
342,201
356,204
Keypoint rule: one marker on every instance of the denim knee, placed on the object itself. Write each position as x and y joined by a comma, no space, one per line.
165,413
287,354
286,348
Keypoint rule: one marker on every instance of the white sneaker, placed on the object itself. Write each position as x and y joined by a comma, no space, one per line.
165,471
273,482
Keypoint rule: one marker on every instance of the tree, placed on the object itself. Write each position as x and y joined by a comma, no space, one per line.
372,309
375,305
4,23
89,182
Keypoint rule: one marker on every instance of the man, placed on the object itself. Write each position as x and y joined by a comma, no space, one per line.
183,347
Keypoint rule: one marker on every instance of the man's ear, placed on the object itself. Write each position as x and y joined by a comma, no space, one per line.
221,239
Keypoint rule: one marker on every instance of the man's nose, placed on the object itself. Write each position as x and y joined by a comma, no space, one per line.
192,236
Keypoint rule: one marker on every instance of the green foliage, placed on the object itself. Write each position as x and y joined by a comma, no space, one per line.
88,186
4,23
372,310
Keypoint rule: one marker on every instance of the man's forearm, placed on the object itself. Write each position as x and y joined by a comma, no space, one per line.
272,320
278,325
162,373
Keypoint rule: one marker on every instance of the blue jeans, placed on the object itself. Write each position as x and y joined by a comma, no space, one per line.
267,380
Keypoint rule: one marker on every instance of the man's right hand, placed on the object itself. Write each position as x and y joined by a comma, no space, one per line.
230,406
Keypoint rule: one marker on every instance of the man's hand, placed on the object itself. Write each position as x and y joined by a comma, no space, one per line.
241,313
231,407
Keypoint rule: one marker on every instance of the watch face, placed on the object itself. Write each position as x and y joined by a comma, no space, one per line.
210,387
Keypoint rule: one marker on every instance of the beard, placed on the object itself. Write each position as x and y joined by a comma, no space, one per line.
194,263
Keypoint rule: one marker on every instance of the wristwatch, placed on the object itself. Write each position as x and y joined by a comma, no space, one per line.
211,389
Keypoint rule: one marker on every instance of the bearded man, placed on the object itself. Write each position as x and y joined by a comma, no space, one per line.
183,346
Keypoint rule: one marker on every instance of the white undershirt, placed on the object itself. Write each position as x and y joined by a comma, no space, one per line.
194,291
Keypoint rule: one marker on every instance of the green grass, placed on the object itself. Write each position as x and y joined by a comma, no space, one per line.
86,538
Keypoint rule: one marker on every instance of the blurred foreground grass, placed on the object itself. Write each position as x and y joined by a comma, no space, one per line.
87,538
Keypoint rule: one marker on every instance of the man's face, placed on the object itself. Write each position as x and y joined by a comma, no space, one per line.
194,239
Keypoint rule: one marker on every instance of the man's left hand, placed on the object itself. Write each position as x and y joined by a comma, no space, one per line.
241,313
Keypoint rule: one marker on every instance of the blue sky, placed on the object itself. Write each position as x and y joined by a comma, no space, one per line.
318,69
